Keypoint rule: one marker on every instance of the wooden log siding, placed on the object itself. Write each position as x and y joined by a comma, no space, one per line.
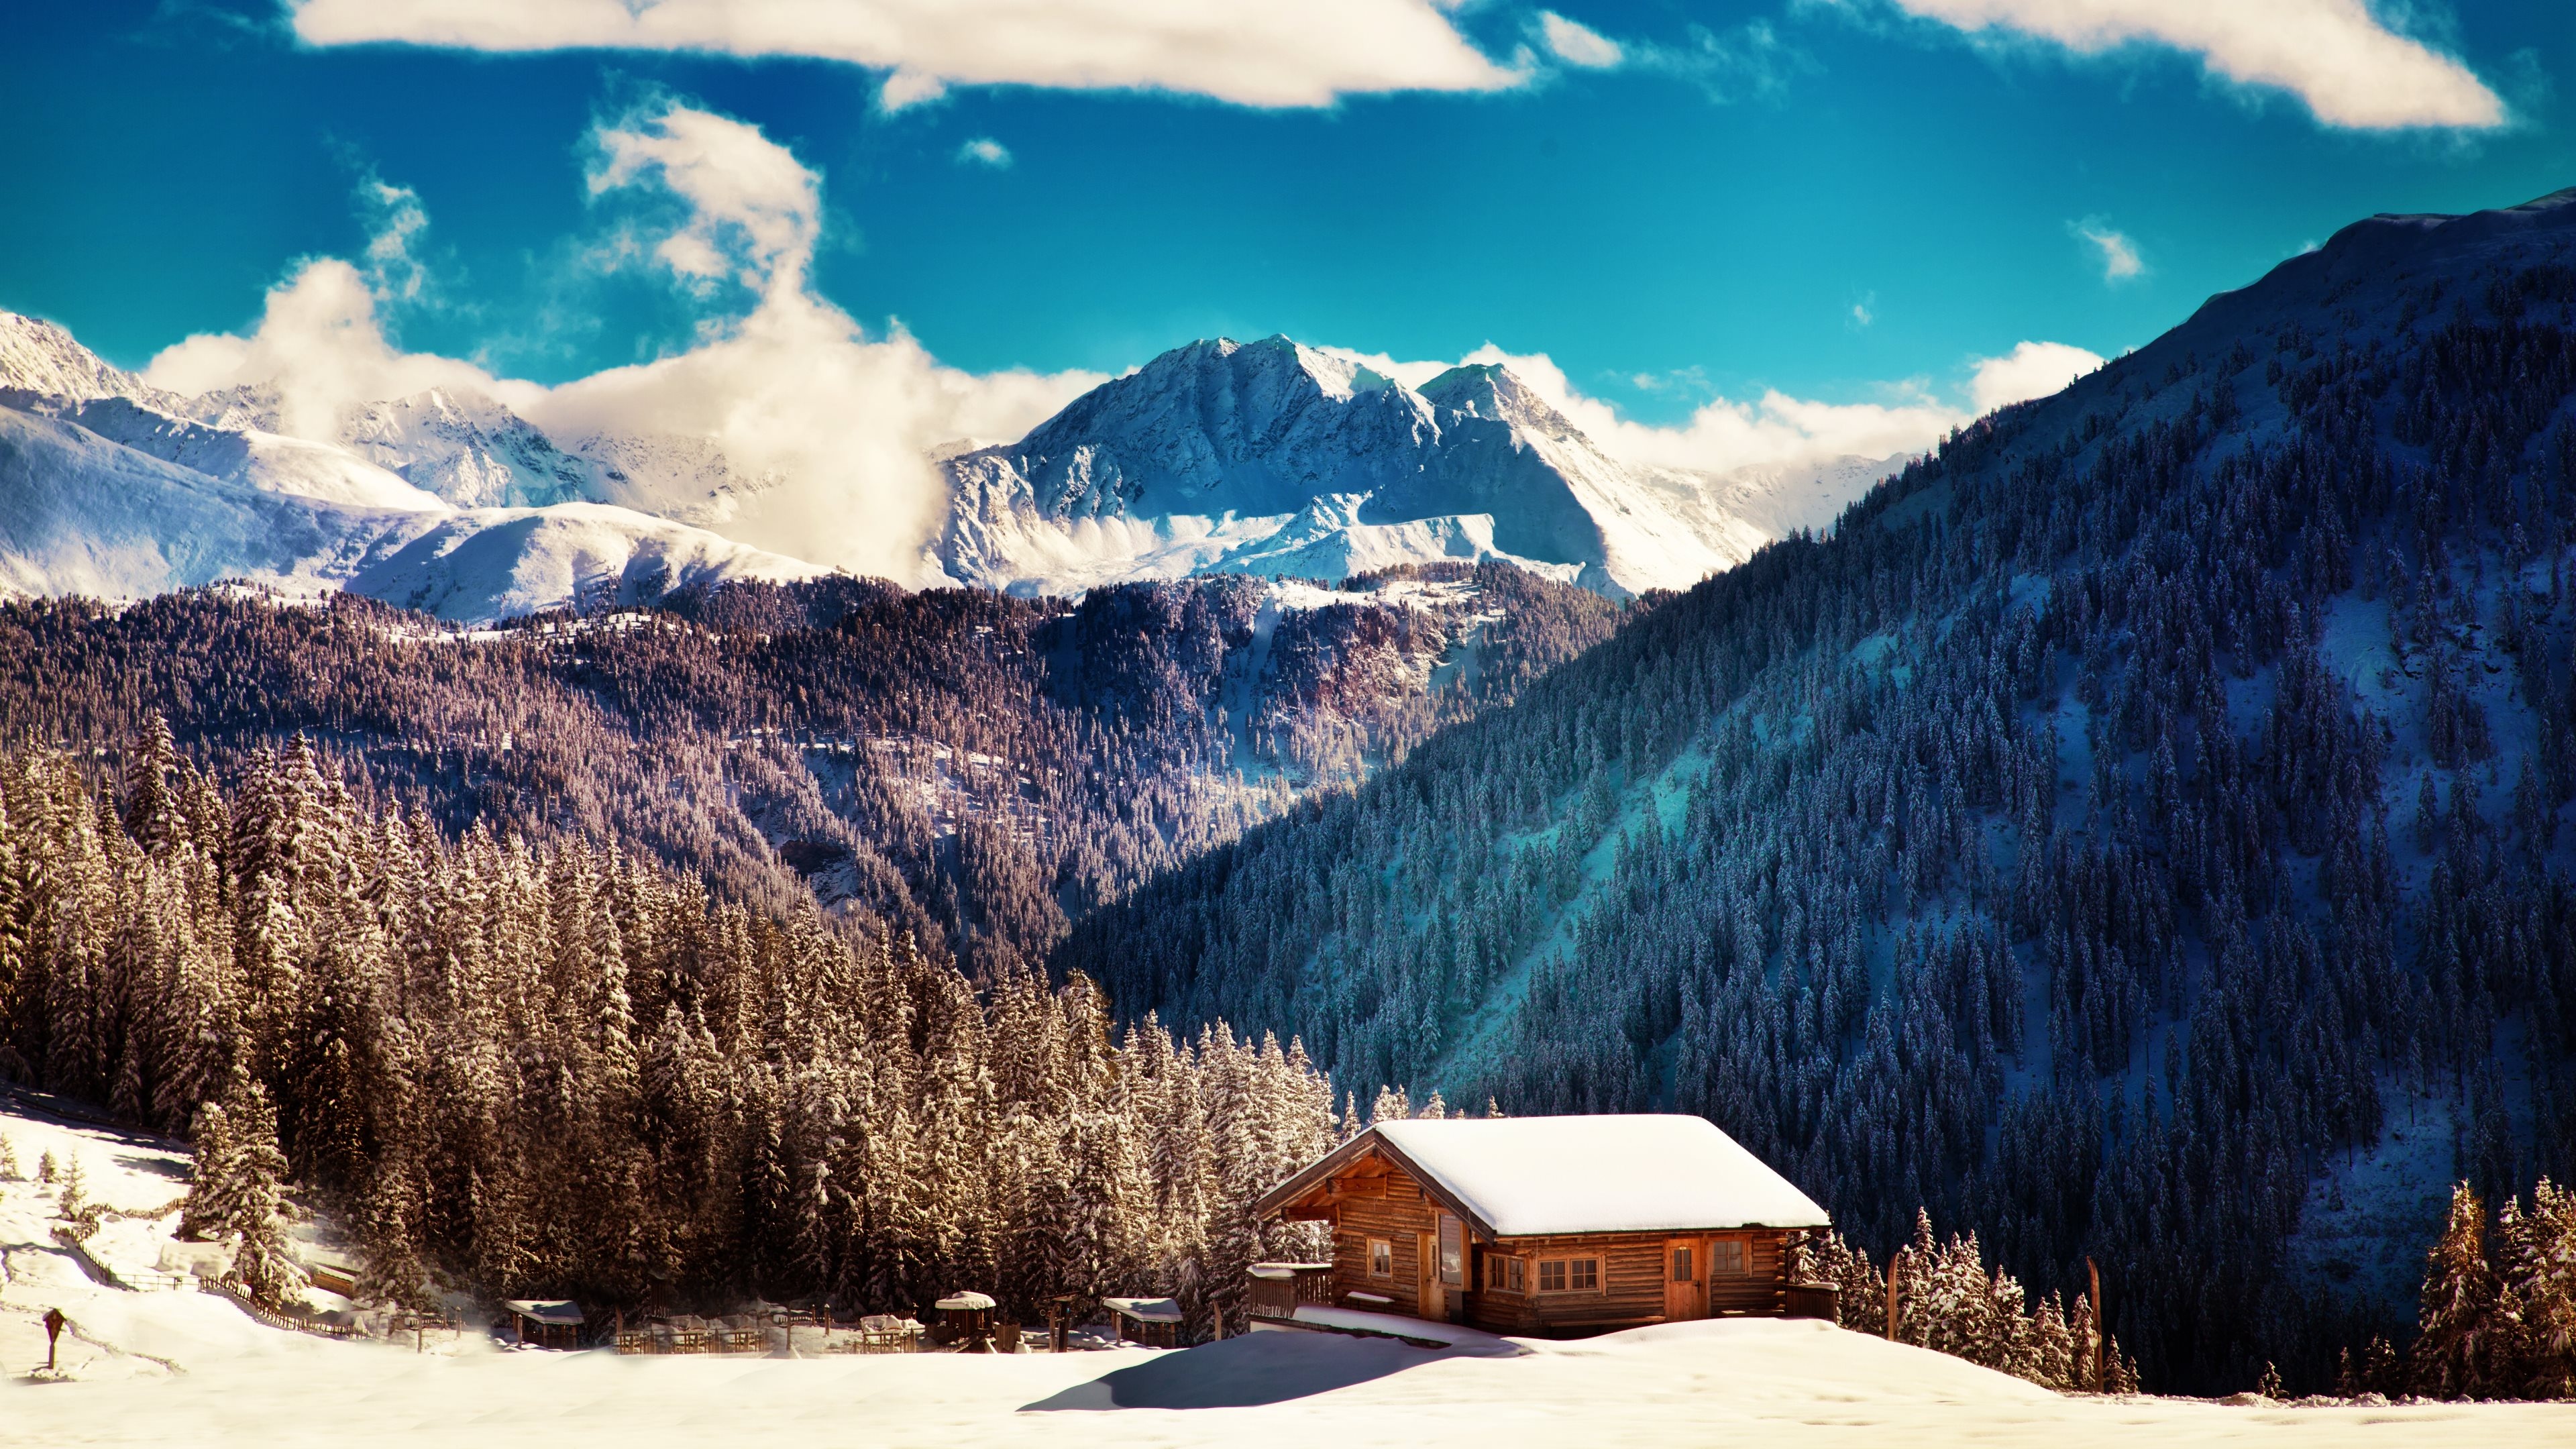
1633,1269
1393,1208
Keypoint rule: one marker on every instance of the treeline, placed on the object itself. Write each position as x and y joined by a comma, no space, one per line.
970,767
524,1069
1947,1301
2499,1307
2095,839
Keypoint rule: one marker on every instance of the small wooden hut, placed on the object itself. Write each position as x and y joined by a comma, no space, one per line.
1554,1227
1153,1322
547,1324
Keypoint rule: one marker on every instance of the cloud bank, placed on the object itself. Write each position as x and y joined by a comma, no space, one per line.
1309,53
2335,55
1775,430
791,390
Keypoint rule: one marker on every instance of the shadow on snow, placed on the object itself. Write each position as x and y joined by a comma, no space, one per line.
1246,1372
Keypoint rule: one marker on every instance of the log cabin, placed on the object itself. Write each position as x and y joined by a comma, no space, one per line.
1556,1227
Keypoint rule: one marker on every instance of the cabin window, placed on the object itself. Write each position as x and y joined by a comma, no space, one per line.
1381,1258
1453,1252
1682,1264
1506,1275
1570,1275
1726,1258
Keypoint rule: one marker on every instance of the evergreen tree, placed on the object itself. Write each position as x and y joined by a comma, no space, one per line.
237,1192
2451,1356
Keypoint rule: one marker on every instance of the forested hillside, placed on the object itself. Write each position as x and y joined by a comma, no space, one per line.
970,767
560,1070
2136,824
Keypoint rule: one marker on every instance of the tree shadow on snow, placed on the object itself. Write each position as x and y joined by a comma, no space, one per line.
1245,1372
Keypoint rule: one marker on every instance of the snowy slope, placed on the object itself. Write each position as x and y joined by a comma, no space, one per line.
39,357
82,513
1778,500
1327,540
1309,462
113,489
270,462
491,563
469,450
1746,1381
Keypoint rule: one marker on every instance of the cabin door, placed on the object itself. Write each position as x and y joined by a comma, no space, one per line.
1431,1302
1685,1279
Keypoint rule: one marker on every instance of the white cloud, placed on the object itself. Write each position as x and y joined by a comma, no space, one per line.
1577,44
985,151
2335,55
2032,369
321,344
791,389
1306,54
755,212
2120,259
1775,429
392,271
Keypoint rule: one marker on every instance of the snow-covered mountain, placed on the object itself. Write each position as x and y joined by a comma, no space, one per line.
105,490
269,462
1273,457
467,449
39,357
1266,458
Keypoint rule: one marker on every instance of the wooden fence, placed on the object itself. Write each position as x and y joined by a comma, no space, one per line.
291,1322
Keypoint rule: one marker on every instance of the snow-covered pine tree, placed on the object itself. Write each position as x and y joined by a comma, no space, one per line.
154,815
2083,1338
390,1267
2449,1359
2536,1295
211,1203
1391,1105
2052,1356
239,1188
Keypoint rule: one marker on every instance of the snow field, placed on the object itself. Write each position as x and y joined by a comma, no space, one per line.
179,1367
1726,1382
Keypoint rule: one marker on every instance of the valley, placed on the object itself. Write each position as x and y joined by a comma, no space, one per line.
2142,822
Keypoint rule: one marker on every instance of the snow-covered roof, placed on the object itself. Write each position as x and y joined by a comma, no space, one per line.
1145,1310
557,1312
1532,1176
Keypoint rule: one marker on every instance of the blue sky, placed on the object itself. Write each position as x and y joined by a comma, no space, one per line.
1678,203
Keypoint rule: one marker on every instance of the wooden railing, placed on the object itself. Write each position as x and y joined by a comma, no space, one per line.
292,1323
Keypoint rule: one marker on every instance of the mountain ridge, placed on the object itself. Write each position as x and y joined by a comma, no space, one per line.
1230,441
2133,831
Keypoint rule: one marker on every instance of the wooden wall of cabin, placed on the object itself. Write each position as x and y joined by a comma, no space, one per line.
1634,1268
1395,1210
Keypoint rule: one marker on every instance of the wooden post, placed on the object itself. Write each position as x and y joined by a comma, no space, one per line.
53,1335
1892,1261
2101,1334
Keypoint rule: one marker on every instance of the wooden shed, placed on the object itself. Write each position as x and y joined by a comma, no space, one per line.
1153,1322
1555,1226
546,1323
